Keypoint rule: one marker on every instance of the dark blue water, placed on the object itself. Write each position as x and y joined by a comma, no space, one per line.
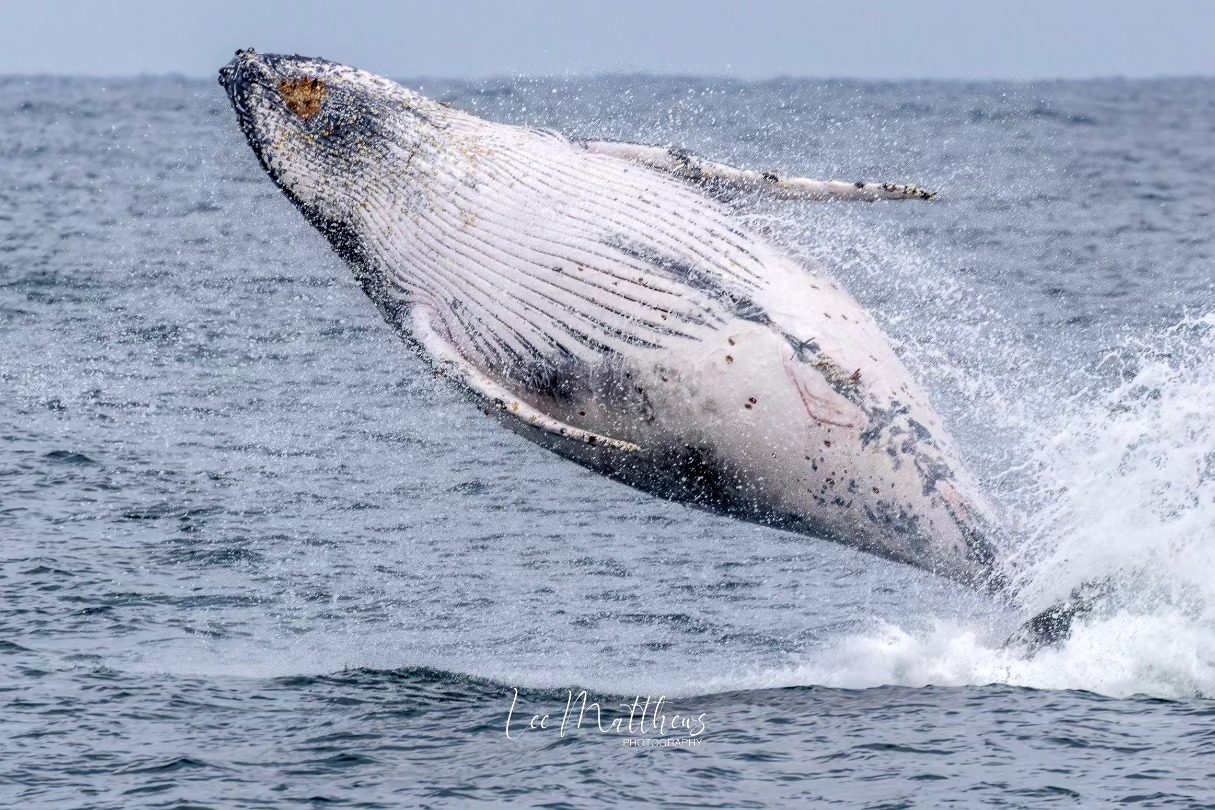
252,554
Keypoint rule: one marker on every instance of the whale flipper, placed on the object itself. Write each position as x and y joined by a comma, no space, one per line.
457,367
726,181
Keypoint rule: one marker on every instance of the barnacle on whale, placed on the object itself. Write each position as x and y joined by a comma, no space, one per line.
304,97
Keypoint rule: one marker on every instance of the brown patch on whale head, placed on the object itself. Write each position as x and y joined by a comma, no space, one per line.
303,96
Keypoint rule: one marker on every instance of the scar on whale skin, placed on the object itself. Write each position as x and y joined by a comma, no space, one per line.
303,96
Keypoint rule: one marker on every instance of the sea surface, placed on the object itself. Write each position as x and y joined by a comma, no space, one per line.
252,554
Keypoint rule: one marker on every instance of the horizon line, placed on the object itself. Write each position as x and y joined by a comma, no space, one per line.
626,74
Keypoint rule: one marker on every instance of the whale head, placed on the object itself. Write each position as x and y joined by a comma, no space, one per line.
324,132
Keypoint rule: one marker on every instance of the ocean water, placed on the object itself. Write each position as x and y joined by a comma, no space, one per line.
252,554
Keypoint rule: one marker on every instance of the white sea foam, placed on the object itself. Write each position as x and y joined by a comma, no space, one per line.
1103,472
1162,654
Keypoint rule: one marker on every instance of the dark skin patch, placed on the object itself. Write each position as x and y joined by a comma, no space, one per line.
880,419
702,478
304,97
804,350
739,305
897,520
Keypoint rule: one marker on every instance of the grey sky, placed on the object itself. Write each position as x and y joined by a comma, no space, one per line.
857,38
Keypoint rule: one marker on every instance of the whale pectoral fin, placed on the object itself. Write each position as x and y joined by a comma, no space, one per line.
456,366
726,181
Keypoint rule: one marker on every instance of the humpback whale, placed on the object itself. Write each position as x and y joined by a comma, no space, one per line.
601,299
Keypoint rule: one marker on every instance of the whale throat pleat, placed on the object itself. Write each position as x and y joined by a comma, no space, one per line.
530,266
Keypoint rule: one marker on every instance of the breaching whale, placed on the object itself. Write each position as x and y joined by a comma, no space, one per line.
601,299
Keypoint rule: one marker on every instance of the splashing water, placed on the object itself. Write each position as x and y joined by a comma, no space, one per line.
1127,489
1163,654
1102,473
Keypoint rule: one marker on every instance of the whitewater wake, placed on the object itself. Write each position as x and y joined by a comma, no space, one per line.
1103,470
